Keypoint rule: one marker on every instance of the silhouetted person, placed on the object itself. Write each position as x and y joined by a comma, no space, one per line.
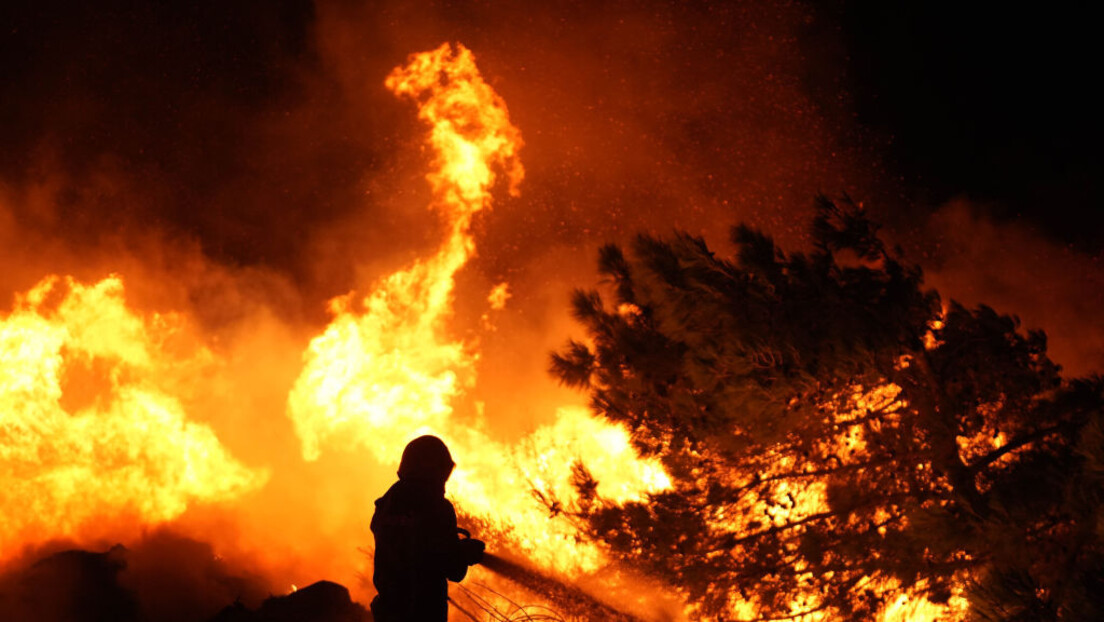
418,549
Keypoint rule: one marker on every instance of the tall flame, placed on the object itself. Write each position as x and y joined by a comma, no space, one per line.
390,361
385,369
95,437
88,427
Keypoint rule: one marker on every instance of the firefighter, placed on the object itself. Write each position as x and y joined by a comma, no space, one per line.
418,547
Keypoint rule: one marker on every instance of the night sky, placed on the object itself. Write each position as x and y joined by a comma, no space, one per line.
994,102
259,133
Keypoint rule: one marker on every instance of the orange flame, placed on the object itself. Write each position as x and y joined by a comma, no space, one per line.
114,442
391,361
385,370
93,416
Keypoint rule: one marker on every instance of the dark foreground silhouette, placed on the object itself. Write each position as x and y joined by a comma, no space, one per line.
119,585
418,549
173,579
323,601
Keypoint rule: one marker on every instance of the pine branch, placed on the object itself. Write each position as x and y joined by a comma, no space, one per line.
574,367
981,463
732,541
857,466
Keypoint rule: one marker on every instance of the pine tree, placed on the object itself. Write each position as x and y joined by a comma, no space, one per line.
835,435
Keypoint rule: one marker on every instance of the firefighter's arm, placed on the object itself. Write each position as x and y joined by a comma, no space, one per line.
471,549
466,551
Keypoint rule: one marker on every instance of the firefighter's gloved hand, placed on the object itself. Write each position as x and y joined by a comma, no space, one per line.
471,550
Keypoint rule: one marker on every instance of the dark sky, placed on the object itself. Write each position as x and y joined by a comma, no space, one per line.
995,101
258,131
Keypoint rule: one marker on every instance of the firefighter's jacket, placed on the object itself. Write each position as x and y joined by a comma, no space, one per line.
417,552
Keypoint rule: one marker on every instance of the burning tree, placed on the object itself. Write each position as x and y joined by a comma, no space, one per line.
841,444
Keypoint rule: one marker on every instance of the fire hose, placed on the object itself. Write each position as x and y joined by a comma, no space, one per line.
569,597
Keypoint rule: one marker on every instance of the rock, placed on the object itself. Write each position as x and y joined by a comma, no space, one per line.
324,601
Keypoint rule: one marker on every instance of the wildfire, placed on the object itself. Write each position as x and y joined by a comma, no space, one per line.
386,370
89,427
94,426
385,366
782,503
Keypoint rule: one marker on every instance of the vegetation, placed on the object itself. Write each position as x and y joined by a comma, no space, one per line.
836,435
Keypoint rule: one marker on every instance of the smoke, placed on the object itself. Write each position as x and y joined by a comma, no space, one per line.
975,259
264,135
181,579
